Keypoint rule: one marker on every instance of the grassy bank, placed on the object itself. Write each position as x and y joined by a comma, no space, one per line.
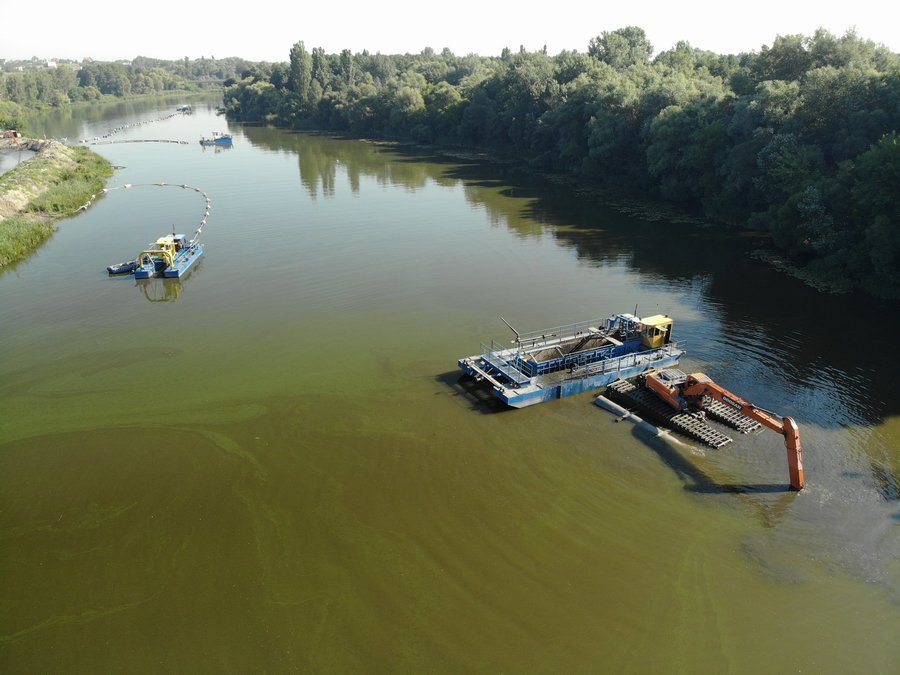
42,190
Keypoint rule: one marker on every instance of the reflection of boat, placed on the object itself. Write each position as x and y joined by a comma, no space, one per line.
218,147
160,290
551,364
218,138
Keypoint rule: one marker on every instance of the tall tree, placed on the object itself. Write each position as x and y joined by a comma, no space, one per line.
622,47
347,67
321,72
301,70
787,59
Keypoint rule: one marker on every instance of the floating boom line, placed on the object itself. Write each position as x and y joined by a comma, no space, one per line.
183,186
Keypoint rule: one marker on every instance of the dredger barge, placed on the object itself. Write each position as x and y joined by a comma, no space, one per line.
550,364
633,358
169,256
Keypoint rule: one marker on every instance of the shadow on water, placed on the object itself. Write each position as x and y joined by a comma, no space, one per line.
159,289
477,395
479,398
700,482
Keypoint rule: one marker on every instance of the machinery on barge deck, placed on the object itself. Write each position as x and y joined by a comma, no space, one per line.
682,402
558,362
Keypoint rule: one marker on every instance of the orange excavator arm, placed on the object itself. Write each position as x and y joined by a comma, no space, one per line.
698,385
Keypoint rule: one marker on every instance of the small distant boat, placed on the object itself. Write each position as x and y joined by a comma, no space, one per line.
169,256
218,138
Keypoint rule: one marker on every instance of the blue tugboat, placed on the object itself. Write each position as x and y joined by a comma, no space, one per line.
169,256
546,365
218,138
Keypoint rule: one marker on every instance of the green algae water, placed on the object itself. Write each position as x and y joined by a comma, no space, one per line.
272,465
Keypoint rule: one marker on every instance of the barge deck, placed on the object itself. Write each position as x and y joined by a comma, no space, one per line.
550,364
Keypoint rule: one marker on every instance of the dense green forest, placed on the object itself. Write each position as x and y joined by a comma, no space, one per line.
799,139
93,81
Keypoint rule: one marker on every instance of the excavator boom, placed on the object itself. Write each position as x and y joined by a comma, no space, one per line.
682,392
794,452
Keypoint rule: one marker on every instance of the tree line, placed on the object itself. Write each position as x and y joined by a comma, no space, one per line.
91,81
800,139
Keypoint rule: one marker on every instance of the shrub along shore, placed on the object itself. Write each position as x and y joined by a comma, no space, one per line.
42,190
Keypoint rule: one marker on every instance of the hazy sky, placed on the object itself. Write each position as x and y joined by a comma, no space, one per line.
166,29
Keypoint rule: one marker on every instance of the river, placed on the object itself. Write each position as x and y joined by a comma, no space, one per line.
272,465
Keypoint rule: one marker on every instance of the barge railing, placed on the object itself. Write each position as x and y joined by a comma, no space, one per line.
629,360
509,362
551,336
492,355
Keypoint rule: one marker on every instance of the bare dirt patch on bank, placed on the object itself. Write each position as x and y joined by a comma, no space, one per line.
50,186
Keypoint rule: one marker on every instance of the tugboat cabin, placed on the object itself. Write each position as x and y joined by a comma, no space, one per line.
657,331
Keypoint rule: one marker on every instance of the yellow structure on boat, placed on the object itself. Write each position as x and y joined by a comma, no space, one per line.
164,249
657,331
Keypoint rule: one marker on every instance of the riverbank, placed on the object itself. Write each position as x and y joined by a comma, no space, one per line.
42,190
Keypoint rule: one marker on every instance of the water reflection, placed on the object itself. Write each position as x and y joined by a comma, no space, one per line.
217,148
767,336
767,324
160,289
166,289
320,158
770,501
76,122
824,350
